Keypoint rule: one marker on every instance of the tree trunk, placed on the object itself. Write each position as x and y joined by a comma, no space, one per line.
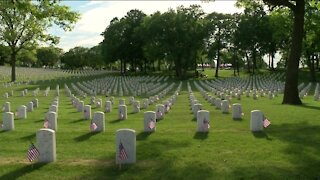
269,63
317,60
254,61
13,66
248,62
272,61
312,69
234,63
218,55
291,94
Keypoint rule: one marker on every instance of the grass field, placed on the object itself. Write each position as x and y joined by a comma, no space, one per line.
288,149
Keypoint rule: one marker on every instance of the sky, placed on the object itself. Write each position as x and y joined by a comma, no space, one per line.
96,15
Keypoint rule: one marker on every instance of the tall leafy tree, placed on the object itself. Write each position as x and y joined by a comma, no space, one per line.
76,57
297,7
27,57
311,43
49,56
25,23
4,54
220,28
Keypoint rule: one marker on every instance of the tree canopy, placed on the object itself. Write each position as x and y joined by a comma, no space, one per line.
25,24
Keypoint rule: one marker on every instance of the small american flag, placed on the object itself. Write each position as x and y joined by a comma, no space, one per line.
152,124
121,116
98,103
93,126
122,152
266,123
159,113
206,125
46,123
33,153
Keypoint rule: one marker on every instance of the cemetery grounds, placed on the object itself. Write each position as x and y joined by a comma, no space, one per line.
288,149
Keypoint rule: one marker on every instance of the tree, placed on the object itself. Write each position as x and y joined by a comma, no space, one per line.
49,56
311,43
4,54
291,94
27,57
220,30
25,23
94,57
253,34
76,57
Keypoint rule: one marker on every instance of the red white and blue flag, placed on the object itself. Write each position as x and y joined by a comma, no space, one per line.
206,125
266,123
121,116
93,126
33,153
152,124
122,152
46,123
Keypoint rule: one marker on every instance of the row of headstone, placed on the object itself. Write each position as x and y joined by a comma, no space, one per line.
125,146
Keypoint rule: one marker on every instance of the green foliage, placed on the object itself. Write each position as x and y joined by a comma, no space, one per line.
27,57
75,58
49,56
25,24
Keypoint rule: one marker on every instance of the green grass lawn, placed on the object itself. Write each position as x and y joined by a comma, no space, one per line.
288,149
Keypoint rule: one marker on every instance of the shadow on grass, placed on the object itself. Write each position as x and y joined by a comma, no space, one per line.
3,131
302,151
305,105
85,136
22,171
37,121
261,134
116,121
201,135
77,121
28,137
143,136
164,165
194,119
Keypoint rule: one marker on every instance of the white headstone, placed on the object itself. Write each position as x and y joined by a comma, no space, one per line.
159,111
99,120
30,107
122,101
87,112
236,111
108,107
125,146
22,112
196,108
80,106
46,141
8,121
218,103
122,112
6,95
131,100
149,121
225,106
256,121
203,120
53,108
35,103
99,103
6,107
136,106
51,118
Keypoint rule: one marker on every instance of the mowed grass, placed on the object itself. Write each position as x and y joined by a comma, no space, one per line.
288,149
